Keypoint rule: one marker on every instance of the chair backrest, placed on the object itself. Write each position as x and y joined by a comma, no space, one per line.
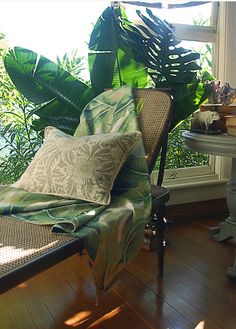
154,116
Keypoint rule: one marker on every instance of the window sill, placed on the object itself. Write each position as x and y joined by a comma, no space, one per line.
196,181
197,188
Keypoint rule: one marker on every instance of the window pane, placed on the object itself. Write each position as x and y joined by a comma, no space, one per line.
197,15
178,156
205,51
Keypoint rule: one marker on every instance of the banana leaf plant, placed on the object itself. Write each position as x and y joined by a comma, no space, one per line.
111,60
169,65
59,97
120,53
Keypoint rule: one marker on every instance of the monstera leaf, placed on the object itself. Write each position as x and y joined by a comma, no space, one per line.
111,61
156,46
169,65
44,82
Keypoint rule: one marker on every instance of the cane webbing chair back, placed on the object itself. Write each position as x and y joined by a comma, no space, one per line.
154,107
154,114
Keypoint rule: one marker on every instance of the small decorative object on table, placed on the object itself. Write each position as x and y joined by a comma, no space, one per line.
219,114
231,124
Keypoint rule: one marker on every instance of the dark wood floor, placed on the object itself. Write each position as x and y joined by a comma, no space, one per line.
194,293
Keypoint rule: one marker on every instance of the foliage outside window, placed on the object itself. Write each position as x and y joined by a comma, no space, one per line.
18,141
178,156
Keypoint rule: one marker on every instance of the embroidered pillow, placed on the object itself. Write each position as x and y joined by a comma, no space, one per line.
78,167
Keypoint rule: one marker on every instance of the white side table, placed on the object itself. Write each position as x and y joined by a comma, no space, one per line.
224,145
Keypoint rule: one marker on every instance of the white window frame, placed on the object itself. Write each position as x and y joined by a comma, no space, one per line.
188,32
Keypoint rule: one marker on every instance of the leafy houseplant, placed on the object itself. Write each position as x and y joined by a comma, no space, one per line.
44,82
170,66
18,139
59,96
119,53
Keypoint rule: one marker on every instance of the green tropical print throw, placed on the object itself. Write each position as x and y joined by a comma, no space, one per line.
112,234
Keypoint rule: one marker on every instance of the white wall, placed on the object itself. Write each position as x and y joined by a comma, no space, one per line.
227,42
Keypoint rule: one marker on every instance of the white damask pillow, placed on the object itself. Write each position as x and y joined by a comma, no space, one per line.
78,167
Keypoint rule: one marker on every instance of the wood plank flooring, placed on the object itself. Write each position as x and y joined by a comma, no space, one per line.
194,293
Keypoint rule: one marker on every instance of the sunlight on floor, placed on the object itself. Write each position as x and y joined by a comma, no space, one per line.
84,316
78,318
201,325
106,317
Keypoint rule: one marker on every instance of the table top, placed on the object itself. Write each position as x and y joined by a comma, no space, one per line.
222,144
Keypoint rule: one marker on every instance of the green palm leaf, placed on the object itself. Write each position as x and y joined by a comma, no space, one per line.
56,114
156,46
111,61
42,81
169,65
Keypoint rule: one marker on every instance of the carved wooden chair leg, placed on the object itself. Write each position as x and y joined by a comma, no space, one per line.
160,225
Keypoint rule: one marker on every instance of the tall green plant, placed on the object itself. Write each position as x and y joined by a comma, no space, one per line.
111,61
18,141
58,95
120,53
170,66
72,63
44,82
155,44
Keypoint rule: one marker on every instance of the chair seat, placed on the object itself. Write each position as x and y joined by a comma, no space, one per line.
160,195
27,249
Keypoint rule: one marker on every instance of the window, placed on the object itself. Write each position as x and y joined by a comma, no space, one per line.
201,32
198,33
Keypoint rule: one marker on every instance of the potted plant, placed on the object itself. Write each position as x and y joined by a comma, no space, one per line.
169,66
120,52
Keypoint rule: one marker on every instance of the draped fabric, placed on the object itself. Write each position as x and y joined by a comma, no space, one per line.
112,234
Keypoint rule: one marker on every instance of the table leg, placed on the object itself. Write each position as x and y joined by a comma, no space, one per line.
231,193
227,229
231,272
